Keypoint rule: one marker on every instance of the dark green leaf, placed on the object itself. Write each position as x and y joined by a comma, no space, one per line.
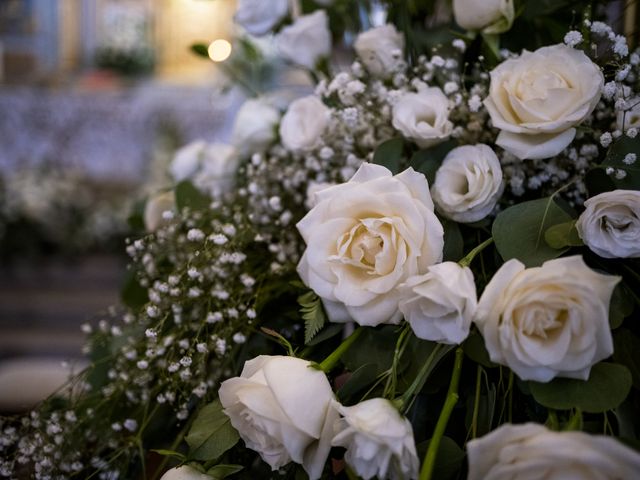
375,346
475,349
188,196
389,154
448,460
329,331
133,294
563,235
211,433
428,161
136,217
220,472
607,387
627,352
597,182
200,49
621,305
312,313
615,159
170,453
357,382
453,242
519,231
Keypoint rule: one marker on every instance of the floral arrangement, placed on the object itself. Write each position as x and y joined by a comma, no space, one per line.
427,268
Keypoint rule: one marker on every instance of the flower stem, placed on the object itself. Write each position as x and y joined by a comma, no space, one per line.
575,423
332,360
466,261
447,409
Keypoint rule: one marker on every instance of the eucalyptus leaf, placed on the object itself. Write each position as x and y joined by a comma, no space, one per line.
375,346
476,350
607,387
357,382
620,306
563,235
428,160
519,231
211,433
448,460
390,154
627,352
453,242
220,472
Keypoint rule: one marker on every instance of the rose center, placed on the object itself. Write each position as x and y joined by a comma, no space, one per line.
540,321
536,84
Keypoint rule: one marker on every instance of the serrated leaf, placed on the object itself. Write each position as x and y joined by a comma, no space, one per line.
607,387
211,434
389,154
220,472
312,313
563,235
188,196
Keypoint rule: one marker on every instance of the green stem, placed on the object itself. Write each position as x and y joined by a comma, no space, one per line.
449,404
476,403
332,360
575,423
401,345
552,420
466,261
404,403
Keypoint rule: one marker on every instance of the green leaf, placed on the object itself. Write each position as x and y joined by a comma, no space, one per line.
312,313
453,242
361,378
135,220
200,49
626,348
326,333
211,433
133,294
374,346
389,154
448,460
620,306
607,387
428,161
476,350
220,472
563,235
519,231
170,453
618,151
188,196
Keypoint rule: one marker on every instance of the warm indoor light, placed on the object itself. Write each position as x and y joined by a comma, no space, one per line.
219,50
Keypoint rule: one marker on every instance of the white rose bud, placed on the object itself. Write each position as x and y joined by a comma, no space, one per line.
304,123
537,99
364,238
532,451
284,410
307,41
258,17
185,472
379,441
380,49
255,127
489,16
468,184
440,304
156,207
610,224
423,116
549,321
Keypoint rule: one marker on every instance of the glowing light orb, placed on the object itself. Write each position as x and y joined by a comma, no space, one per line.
219,50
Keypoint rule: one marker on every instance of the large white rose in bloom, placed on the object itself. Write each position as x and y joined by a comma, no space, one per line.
610,224
260,16
304,123
155,211
468,184
379,441
537,99
380,50
307,40
440,304
284,410
255,127
185,472
490,16
549,321
364,238
423,116
532,451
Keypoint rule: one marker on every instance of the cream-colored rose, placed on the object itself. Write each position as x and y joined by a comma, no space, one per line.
255,127
284,410
537,99
530,451
185,472
380,50
258,17
379,441
307,40
304,123
549,321
610,224
364,238
440,304
423,116
490,16
155,211
187,160
468,184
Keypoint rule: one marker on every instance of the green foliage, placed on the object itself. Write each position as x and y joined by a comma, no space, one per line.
200,49
428,161
188,196
476,350
132,294
615,157
627,352
220,472
453,241
390,154
563,235
607,387
449,459
519,231
312,314
211,433
170,453
620,306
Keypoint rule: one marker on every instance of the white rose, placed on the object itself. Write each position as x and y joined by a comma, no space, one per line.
185,472
380,49
258,17
537,99
490,16
284,410
255,127
440,304
304,123
364,238
307,40
312,189
379,441
154,210
468,184
532,451
630,118
610,224
187,160
549,321
423,116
